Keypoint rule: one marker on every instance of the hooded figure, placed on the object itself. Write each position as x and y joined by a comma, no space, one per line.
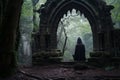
79,51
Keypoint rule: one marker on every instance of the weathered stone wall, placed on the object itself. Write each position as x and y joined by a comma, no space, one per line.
115,42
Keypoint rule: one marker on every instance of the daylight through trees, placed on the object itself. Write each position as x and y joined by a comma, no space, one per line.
71,26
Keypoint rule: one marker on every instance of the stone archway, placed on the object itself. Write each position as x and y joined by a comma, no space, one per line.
96,11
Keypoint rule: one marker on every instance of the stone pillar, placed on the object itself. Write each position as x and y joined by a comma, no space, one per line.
101,41
36,42
54,40
42,37
47,37
109,27
106,26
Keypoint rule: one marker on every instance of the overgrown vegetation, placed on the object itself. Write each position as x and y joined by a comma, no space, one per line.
115,12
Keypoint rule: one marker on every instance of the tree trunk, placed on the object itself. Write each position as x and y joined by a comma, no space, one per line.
8,37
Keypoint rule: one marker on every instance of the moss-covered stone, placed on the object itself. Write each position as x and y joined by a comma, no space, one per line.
99,54
53,55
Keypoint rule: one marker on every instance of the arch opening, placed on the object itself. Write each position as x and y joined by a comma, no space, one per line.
88,13
71,26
